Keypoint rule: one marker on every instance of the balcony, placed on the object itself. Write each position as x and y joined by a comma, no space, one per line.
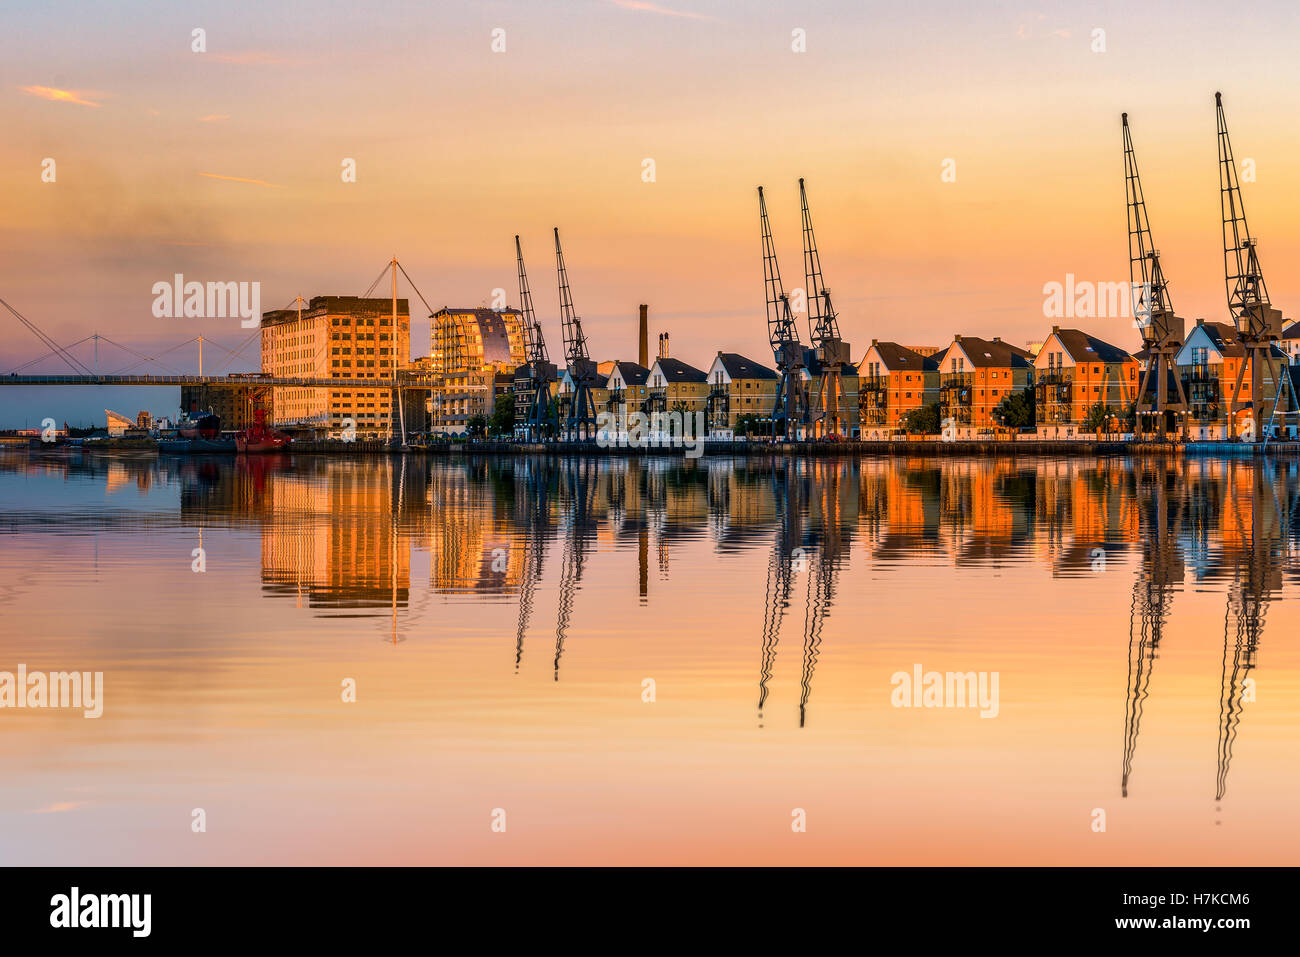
656,400
1203,388
718,406
956,395
1054,376
1202,385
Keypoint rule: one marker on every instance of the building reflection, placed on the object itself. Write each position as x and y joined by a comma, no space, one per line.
340,538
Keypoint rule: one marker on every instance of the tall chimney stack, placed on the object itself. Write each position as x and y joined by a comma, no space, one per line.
643,338
663,345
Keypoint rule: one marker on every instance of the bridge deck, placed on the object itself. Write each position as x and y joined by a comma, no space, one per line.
406,382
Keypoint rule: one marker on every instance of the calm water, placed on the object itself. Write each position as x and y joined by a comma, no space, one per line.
500,619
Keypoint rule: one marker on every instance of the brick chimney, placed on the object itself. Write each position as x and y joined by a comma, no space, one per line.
643,338
663,345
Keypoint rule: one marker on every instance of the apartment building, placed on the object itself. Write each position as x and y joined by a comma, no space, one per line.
338,337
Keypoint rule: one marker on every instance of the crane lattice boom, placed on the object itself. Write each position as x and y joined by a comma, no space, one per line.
534,340
575,342
1145,272
823,324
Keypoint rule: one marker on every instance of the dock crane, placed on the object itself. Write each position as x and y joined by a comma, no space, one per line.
580,423
1160,575
1258,324
830,352
790,415
832,548
541,371
793,487
580,475
780,579
1162,330
1257,578
532,500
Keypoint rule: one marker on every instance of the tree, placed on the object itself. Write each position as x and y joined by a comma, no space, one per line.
922,421
503,415
1016,411
1095,419
476,425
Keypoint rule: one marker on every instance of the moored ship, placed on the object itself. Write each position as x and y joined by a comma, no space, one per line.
260,437
198,425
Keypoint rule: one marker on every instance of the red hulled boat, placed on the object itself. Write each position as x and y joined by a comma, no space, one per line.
260,437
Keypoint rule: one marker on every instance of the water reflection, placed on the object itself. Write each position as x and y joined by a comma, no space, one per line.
339,539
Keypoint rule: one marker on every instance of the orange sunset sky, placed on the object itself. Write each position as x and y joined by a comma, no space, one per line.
225,165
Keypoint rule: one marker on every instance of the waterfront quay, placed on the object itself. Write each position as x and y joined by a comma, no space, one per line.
901,448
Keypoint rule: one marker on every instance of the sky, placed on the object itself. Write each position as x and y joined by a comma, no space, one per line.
225,165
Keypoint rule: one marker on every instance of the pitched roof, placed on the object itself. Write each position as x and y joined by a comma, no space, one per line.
675,370
632,373
738,367
813,366
1292,330
1225,339
991,352
1082,347
894,357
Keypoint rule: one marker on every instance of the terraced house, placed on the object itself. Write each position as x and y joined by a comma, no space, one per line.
1073,372
739,386
975,375
893,381
1209,362
626,393
676,386
1290,342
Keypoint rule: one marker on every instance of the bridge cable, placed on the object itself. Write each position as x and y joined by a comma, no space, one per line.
73,363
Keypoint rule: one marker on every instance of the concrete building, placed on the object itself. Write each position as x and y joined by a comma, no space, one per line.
118,424
975,375
739,387
1073,372
894,380
469,348
338,337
